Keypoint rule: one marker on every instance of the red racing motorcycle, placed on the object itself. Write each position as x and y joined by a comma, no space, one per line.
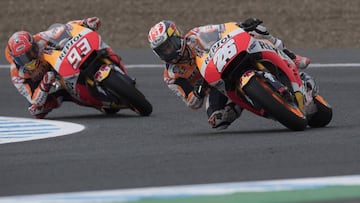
261,79
84,68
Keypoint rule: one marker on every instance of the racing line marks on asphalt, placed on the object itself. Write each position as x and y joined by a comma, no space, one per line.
24,129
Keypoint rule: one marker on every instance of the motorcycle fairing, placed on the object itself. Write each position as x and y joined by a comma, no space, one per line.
271,53
67,61
222,53
235,41
75,51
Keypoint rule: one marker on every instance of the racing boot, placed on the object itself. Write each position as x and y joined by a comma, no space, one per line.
311,90
221,119
300,61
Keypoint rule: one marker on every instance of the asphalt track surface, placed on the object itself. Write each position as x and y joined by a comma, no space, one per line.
175,145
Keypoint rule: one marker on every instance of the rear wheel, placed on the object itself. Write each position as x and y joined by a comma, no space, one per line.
287,113
119,86
323,115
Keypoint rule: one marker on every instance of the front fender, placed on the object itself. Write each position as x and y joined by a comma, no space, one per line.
102,73
245,78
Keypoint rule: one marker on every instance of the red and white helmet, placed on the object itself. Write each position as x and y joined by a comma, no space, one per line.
167,41
23,48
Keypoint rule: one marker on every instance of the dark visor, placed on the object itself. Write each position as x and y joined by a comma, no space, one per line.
170,49
26,57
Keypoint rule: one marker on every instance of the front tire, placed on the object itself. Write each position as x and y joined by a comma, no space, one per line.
124,90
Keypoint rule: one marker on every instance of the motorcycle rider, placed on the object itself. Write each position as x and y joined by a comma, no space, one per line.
182,76
32,75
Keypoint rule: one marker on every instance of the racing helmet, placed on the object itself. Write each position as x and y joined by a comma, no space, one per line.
167,41
23,49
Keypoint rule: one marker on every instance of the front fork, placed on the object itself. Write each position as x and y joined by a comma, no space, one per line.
99,76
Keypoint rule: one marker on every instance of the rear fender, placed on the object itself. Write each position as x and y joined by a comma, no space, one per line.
245,78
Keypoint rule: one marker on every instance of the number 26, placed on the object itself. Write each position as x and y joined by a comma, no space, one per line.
225,53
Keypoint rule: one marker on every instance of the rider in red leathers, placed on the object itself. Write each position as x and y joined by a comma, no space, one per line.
182,76
32,76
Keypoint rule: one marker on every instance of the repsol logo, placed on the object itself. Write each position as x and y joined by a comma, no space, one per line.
264,45
215,47
218,44
68,45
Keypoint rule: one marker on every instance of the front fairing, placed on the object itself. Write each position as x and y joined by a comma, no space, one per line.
214,62
67,60
278,57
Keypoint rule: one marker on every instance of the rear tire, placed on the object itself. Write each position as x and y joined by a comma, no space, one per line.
287,114
124,90
323,115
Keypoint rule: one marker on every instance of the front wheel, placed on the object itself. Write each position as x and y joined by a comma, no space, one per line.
123,90
287,113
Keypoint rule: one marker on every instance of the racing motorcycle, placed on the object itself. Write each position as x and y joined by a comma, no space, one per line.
84,68
261,79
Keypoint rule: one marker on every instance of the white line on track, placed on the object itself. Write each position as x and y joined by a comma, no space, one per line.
314,65
186,191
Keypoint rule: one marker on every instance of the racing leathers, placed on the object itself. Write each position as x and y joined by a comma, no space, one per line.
35,85
183,76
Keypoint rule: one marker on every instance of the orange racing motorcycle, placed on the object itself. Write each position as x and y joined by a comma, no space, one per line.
261,79
85,69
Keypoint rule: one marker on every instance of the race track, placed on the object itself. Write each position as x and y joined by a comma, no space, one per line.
176,146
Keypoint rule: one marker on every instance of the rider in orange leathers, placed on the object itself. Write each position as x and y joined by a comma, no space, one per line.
182,76
32,76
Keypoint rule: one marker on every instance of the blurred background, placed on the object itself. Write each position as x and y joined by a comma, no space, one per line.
301,24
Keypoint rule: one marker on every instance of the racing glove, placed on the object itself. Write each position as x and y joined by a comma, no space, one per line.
201,88
193,101
250,24
253,27
92,23
47,81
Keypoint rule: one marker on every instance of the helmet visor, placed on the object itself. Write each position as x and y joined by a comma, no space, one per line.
27,58
170,49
